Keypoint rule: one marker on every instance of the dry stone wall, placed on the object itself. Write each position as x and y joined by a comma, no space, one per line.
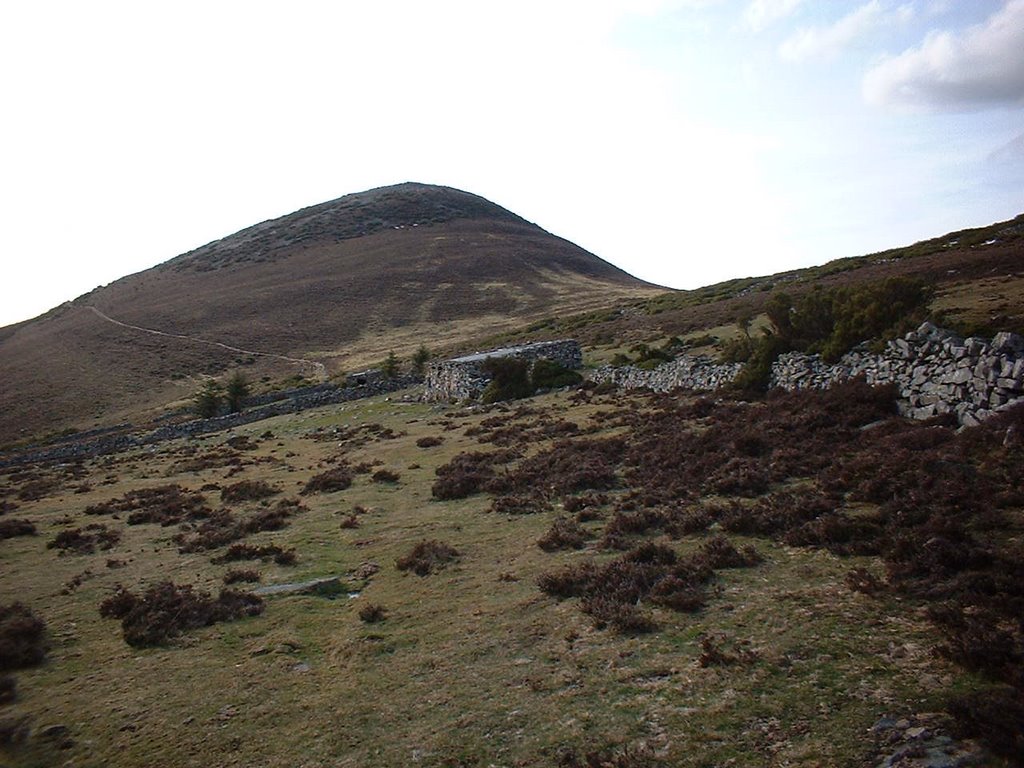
936,372
463,378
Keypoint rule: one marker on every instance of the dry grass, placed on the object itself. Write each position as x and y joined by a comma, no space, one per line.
474,665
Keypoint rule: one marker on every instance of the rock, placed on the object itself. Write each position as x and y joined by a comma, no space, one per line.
1008,342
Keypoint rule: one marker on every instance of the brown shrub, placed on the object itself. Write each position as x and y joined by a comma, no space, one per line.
84,541
372,613
238,552
247,490
863,581
22,637
609,757
427,557
570,466
236,576
469,473
386,476
995,715
429,441
8,691
570,581
37,489
331,481
564,533
166,505
15,527
167,610
719,552
520,504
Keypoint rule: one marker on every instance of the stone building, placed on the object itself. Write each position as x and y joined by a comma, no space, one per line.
463,378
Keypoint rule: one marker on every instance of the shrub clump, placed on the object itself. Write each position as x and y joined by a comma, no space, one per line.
238,575
385,476
371,613
165,504
22,637
614,594
469,473
167,610
336,479
247,490
238,552
16,527
427,557
85,541
429,441
565,533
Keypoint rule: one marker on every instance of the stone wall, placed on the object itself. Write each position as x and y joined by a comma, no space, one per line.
685,372
463,378
936,373
88,444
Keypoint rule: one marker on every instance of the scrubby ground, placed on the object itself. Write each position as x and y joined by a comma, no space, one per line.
575,580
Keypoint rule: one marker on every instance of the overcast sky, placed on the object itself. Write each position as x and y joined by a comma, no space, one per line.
687,141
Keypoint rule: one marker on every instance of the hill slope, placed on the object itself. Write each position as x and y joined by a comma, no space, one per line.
342,283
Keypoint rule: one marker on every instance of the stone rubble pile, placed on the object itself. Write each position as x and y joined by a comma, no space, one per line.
463,378
935,371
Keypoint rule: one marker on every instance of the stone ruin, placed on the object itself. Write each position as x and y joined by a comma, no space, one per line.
935,371
463,378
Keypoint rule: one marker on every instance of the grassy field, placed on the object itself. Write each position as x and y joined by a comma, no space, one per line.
472,664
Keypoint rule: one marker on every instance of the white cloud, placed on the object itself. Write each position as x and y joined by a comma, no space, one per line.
762,13
977,68
812,42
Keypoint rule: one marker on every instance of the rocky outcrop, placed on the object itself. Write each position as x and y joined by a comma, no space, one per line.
935,371
463,378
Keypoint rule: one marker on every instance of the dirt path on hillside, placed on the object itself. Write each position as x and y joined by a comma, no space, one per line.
320,368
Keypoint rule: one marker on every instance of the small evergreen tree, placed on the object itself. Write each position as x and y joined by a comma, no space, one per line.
209,399
419,359
390,366
236,392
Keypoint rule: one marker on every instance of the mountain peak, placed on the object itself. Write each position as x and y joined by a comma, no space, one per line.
399,206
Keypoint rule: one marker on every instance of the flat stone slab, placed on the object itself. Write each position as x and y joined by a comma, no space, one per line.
314,586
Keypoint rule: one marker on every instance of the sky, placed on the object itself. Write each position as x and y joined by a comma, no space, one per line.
686,141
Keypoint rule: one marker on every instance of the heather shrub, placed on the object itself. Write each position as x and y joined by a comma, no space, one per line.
85,541
331,481
22,637
10,528
247,490
372,613
427,557
469,473
167,610
564,533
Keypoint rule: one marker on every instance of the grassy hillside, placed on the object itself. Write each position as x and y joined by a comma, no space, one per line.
340,284
606,580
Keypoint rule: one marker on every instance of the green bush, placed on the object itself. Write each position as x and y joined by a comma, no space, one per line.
830,322
548,374
208,400
510,379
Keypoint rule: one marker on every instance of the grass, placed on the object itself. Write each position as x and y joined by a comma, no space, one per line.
472,665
